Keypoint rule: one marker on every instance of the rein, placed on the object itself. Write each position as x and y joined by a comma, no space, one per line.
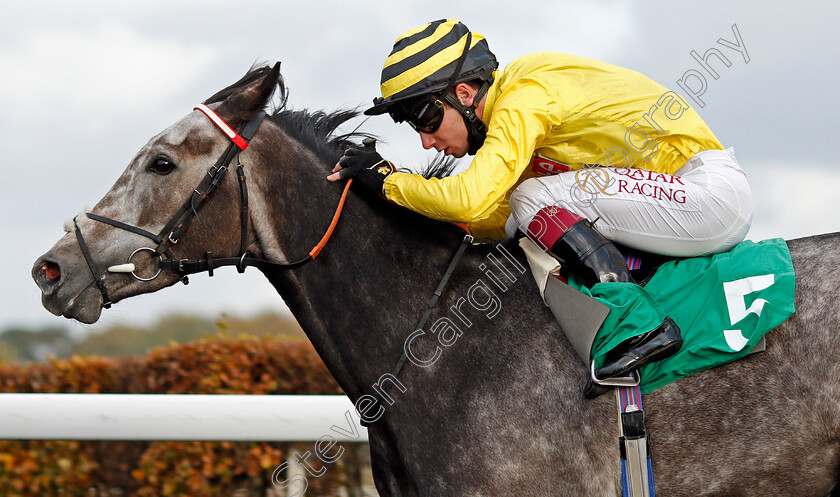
180,222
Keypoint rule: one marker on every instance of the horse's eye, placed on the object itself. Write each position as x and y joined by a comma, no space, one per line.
162,166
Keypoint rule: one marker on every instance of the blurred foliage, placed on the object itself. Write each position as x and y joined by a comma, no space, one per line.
37,345
8,354
18,344
219,364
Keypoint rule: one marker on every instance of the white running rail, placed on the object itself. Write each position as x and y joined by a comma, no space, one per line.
265,418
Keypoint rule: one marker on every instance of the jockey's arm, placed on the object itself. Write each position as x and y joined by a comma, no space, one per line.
519,120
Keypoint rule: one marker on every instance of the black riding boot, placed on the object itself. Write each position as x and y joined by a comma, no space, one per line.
594,259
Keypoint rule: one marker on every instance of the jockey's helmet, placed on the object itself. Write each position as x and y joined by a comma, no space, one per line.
430,61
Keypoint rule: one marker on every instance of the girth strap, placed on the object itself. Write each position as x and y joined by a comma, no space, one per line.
430,305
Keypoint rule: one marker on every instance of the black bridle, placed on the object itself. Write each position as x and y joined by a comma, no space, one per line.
180,222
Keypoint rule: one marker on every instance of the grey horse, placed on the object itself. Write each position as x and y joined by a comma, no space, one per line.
490,403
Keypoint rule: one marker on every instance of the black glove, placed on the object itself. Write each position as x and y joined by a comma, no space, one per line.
366,166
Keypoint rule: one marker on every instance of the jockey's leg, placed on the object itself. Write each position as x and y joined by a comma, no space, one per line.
589,256
707,209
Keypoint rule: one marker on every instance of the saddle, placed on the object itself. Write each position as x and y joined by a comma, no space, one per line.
581,316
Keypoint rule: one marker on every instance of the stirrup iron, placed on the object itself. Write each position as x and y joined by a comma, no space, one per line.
630,380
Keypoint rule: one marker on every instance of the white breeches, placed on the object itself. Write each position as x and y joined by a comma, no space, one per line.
705,207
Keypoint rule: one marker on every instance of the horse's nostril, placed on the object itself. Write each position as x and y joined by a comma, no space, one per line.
51,271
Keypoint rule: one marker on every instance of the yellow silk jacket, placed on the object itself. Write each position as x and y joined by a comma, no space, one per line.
572,110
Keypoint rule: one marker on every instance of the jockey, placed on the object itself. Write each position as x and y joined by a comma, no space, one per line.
561,143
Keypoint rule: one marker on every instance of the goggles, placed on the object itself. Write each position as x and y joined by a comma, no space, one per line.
424,116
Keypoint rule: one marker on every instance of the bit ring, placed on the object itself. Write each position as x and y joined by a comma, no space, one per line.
150,250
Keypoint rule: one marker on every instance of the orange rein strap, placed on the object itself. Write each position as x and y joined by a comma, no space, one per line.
317,249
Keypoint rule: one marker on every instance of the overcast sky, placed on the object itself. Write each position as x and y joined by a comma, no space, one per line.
85,84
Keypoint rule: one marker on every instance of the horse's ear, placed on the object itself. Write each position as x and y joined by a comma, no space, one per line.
248,95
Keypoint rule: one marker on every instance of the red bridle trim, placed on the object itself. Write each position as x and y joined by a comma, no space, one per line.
222,125
242,144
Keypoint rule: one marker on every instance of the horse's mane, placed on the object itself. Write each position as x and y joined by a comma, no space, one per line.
316,130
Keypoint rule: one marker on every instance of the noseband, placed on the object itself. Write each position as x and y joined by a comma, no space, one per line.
180,222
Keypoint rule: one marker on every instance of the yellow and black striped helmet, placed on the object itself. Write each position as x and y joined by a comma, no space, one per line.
425,60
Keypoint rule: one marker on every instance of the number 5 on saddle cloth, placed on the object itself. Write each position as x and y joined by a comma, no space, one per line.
723,303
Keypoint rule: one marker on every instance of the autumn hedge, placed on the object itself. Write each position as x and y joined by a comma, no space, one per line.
219,365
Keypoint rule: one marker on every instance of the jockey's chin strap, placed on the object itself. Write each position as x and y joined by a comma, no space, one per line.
180,222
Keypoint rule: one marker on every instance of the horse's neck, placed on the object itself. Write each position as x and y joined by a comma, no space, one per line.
360,297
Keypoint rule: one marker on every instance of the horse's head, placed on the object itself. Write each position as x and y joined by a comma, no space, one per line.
161,180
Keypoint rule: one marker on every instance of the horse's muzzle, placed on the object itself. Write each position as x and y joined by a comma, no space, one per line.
73,298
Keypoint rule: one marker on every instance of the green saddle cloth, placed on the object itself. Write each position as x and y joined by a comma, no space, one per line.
723,304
